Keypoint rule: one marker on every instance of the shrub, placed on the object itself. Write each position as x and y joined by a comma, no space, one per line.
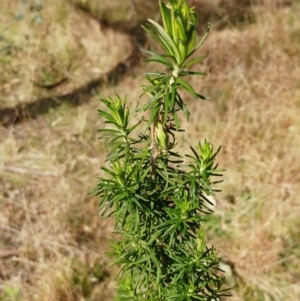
158,200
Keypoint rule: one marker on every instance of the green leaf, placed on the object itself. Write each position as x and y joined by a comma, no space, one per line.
197,157
108,131
154,114
182,106
166,41
196,60
173,96
107,116
157,58
176,119
153,101
166,107
187,87
204,37
192,34
186,73
203,97
166,17
164,175
181,30
133,127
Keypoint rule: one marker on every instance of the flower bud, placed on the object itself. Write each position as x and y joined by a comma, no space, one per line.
161,136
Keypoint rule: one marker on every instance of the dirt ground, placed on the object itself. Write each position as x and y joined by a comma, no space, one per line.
58,59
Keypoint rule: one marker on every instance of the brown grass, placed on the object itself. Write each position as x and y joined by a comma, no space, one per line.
51,52
52,242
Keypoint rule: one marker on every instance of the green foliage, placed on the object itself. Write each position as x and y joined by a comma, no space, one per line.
11,294
158,202
85,277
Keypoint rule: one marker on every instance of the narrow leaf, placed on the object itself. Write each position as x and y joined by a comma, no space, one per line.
167,41
166,17
196,60
187,87
204,37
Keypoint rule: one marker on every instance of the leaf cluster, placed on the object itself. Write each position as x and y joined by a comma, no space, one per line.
178,38
159,220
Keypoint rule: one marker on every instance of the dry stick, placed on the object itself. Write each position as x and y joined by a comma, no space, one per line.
5,254
9,228
22,170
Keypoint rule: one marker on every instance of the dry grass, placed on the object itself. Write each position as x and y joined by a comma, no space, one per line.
255,116
125,14
53,49
52,242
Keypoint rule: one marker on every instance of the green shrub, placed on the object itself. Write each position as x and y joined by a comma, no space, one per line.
158,200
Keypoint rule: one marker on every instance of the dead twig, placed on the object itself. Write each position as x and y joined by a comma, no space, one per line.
22,170
5,254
